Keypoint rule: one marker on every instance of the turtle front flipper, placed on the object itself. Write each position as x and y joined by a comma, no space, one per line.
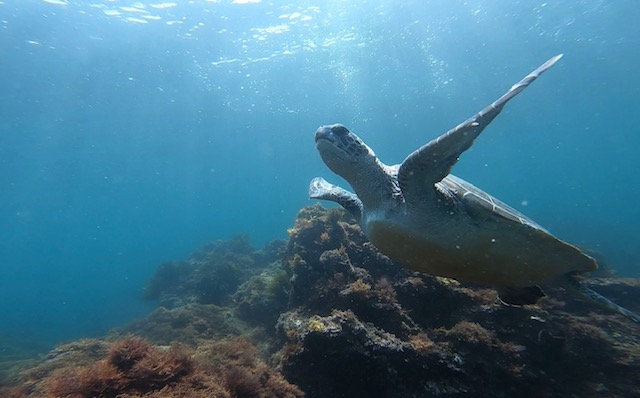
319,188
572,285
433,161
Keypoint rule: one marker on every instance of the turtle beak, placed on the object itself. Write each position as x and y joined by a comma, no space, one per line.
324,133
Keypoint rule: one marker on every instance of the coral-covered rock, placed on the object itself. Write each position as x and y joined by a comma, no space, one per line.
262,298
360,325
210,275
189,324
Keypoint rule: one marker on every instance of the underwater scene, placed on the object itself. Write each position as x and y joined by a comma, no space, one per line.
253,198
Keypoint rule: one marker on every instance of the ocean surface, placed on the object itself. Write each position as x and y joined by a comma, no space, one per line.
132,133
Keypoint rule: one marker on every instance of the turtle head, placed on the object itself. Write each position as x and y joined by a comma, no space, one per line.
343,151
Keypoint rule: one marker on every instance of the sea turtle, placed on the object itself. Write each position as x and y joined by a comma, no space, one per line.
436,223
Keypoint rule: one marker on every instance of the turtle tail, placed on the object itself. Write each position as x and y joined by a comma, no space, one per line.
573,285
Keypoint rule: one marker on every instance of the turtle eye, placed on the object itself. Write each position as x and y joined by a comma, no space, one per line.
339,130
342,134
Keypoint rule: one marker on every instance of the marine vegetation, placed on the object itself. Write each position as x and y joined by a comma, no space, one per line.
328,315
133,367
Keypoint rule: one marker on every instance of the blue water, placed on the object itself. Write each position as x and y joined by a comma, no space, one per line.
132,133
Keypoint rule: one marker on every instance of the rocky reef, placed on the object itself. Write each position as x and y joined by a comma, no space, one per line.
359,325
327,315
211,274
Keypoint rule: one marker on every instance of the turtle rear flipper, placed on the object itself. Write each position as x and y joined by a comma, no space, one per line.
572,285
